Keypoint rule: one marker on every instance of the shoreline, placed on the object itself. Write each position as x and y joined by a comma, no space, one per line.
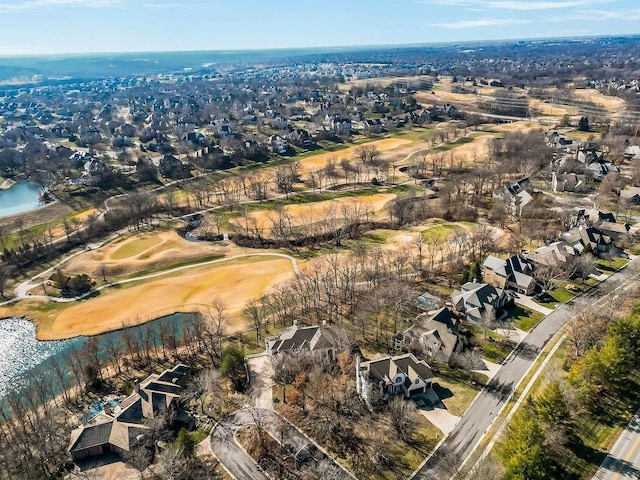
7,183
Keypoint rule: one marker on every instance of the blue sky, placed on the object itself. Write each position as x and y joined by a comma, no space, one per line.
75,26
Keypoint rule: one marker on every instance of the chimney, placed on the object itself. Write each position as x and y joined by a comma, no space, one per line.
136,387
107,408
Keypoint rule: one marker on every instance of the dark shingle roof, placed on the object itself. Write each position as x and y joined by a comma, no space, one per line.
92,436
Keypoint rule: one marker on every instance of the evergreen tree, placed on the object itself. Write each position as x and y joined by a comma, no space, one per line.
551,405
523,452
583,124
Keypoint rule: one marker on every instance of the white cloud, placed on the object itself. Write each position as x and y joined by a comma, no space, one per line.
518,4
481,22
13,6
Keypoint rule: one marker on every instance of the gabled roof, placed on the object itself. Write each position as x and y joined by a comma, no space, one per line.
385,369
154,394
305,338
476,298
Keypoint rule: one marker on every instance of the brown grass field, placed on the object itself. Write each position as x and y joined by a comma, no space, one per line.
236,281
310,213
317,162
123,258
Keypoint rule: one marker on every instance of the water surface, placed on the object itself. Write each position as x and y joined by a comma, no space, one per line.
21,197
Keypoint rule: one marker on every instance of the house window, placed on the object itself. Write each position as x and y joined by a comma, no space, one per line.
417,381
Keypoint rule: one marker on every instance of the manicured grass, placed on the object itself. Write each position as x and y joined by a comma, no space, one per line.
495,352
457,143
523,318
612,264
414,135
456,396
561,295
135,247
442,230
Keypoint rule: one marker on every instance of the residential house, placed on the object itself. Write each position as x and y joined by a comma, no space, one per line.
600,169
324,339
568,182
434,335
117,430
513,273
391,376
373,126
632,152
516,195
589,238
172,167
593,216
277,144
476,300
631,194
556,254
613,230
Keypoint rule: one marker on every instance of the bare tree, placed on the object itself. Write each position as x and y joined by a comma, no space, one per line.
401,415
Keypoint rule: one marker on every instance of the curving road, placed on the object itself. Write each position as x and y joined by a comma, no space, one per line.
483,412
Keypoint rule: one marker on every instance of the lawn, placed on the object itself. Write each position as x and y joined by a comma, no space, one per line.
444,229
523,318
561,294
455,395
135,247
457,143
613,264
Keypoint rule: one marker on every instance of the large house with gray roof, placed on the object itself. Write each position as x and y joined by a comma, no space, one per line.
476,300
117,430
324,338
513,273
390,376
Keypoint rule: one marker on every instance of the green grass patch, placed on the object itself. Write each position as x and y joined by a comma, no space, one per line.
198,435
523,318
448,146
613,264
135,247
457,388
562,295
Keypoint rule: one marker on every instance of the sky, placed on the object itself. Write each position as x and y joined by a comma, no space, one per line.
92,26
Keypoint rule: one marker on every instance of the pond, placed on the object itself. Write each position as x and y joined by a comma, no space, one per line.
21,197
22,356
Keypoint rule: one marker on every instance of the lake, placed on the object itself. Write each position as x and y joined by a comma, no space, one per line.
21,197
22,356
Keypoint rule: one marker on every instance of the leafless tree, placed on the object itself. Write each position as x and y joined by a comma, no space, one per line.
402,414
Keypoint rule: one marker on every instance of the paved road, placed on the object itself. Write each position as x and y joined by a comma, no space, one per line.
464,439
624,459
229,452
242,467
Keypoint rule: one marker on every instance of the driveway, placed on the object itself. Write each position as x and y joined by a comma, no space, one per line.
233,457
260,380
431,408
529,303
242,467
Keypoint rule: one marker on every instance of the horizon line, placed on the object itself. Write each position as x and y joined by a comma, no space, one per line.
338,48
